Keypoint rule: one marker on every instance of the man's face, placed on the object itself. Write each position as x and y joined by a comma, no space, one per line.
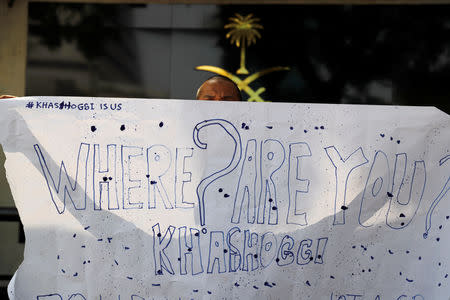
218,90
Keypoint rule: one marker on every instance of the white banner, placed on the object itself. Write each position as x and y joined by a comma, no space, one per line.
168,199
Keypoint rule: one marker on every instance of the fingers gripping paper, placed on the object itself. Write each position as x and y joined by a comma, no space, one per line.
155,199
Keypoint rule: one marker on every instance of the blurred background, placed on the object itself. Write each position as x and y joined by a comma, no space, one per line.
392,53
362,54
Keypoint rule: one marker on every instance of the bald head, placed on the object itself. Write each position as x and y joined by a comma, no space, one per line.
219,88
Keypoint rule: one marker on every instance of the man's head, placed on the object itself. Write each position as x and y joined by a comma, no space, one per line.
219,88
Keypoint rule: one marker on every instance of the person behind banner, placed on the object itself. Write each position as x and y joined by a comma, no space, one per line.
219,88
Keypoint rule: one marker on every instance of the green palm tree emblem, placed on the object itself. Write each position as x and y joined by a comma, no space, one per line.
243,33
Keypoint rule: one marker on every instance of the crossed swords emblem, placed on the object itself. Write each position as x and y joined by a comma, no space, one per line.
243,84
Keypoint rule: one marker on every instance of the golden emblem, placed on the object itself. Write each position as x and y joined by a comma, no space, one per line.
243,33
